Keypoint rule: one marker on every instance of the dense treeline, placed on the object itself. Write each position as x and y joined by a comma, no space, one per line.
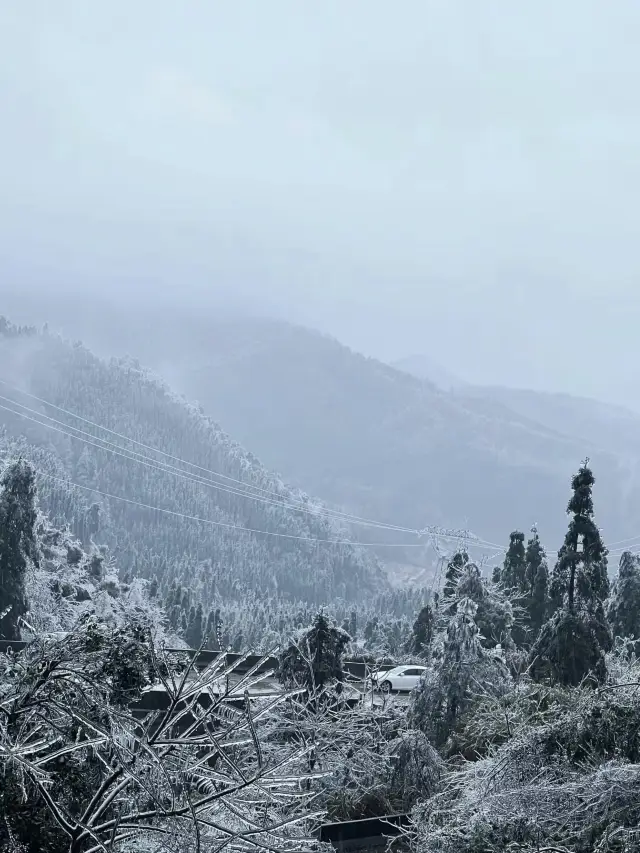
197,609
524,732
357,432
540,742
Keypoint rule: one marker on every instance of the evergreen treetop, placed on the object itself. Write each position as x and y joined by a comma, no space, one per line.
534,558
537,584
454,569
571,644
513,573
423,630
581,568
315,658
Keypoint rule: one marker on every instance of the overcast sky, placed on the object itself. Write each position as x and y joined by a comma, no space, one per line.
460,178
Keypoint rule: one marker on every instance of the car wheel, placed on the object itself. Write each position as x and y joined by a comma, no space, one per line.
386,687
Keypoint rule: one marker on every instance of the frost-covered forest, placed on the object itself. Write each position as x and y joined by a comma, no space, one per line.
523,733
319,427
362,435
116,559
175,524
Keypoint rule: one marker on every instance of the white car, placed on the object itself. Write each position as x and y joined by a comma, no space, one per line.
399,678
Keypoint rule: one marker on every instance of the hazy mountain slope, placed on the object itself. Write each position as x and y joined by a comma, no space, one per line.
423,367
123,397
600,424
362,434
604,425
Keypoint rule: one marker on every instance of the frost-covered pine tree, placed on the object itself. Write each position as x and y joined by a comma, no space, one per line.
423,630
534,558
195,629
525,572
353,625
581,569
514,574
92,520
454,569
623,606
86,468
537,575
18,546
572,642
539,600
494,614
314,658
461,668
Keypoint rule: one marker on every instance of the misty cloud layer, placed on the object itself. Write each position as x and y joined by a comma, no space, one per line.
455,178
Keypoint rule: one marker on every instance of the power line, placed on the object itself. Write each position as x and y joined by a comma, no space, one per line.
441,534
631,539
133,456
174,458
127,453
433,532
227,525
319,511
203,520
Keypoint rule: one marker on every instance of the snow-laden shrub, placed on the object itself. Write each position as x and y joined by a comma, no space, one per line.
561,772
68,584
461,669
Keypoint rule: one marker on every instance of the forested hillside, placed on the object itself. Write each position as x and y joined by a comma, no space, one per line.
166,519
387,445
522,732
601,425
370,438
423,367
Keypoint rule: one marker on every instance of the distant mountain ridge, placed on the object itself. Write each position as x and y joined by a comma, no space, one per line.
385,444
423,367
601,424
378,441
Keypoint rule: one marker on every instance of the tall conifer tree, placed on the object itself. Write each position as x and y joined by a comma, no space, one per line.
513,573
581,569
17,543
537,576
572,642
454,569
